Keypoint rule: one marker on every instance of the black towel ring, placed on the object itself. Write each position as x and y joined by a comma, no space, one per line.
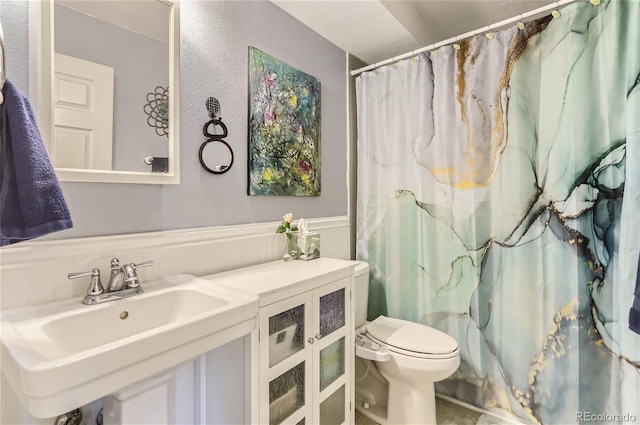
213,106
218,169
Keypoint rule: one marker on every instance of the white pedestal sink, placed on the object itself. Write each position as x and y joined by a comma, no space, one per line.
62,355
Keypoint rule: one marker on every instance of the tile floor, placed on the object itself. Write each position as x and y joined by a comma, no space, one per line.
450,414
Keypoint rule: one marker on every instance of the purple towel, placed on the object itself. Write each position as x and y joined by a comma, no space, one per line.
31,201
634,313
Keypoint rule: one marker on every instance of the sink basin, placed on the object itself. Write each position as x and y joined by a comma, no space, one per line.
62,355
70,334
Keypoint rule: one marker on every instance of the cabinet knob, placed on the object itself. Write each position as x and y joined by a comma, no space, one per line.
318,337
311,340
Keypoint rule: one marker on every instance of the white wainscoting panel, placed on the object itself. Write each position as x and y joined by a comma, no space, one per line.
36,272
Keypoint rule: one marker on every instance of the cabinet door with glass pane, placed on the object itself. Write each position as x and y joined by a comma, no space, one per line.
331,353
285,361
305,352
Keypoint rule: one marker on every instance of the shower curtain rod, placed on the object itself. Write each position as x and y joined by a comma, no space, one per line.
486,29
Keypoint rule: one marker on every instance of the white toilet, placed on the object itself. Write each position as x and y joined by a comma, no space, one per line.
397,363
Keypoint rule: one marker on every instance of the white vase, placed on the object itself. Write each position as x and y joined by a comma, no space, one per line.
292,251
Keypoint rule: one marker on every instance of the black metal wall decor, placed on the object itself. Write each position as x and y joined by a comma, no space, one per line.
213,106
157,110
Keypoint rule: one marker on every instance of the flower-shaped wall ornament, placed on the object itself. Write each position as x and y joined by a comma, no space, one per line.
157,109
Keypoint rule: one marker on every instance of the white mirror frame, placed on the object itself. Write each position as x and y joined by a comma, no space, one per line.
41,92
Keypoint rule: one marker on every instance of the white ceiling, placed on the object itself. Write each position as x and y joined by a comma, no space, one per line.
374,30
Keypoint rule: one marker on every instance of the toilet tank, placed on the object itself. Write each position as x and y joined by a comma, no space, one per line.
361,292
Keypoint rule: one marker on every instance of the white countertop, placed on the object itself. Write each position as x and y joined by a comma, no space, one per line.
279,279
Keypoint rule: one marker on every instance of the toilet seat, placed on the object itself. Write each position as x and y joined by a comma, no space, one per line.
412,339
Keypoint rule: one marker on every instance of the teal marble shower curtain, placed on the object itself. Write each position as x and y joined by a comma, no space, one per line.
499,201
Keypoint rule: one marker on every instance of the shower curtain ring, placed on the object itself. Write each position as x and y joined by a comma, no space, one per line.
556,13
489,34
521,25
456,45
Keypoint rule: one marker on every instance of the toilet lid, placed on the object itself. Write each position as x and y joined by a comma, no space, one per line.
410,336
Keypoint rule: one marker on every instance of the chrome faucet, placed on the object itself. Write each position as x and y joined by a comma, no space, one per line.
116,279
123,282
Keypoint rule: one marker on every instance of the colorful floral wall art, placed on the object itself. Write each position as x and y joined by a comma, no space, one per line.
284,128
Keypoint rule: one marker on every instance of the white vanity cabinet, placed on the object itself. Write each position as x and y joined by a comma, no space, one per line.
302,351
305,357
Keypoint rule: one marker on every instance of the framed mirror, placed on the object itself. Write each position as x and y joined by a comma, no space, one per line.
104,82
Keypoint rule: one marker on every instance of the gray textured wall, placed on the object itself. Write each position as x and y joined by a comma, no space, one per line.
215,36
354,63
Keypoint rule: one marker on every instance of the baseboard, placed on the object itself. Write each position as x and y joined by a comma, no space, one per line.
496,414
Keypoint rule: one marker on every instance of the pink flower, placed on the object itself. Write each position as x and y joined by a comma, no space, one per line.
286,226
269,117
270,80
304,166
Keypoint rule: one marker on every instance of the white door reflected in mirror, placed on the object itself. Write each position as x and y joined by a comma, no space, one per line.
83,114
97,101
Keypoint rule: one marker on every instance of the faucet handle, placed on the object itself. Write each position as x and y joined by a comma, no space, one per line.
94,272
130,276
95,287
145,264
